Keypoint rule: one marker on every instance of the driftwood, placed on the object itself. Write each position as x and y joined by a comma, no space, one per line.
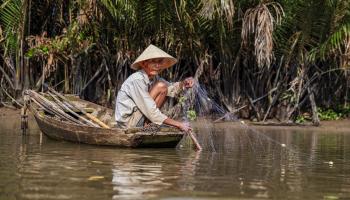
8,79
270,106
255,108
280,124
9,96
240,108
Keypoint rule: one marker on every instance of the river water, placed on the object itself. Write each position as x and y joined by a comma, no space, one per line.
240,164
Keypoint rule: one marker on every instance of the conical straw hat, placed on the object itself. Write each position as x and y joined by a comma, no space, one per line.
152,52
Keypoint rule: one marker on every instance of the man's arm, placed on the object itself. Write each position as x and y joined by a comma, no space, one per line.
181,125
175,88
148,107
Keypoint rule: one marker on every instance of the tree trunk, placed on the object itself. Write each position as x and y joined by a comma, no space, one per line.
66,79
26,67
315,119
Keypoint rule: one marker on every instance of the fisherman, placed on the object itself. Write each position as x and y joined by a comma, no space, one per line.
144,93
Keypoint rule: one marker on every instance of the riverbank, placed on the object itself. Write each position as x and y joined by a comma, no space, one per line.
335,126
11,118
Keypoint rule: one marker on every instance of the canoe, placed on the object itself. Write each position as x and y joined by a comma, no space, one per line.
59,129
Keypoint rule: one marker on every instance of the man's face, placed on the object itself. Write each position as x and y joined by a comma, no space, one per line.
152,66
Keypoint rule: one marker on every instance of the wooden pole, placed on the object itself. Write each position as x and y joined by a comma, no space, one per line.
194,140
51,107
93,118
24,119
63,106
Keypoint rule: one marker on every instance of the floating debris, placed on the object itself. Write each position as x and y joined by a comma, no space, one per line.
95,178
97,162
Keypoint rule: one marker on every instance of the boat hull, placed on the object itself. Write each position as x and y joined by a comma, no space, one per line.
61,130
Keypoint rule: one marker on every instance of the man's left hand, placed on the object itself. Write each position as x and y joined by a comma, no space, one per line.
188,82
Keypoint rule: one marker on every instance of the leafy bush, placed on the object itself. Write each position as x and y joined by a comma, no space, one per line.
328,114
300,119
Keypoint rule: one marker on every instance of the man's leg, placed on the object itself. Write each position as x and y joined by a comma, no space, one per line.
158,92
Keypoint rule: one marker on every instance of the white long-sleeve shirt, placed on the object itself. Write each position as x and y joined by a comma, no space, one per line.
134,95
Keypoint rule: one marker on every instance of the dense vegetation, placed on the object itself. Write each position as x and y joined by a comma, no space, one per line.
295,51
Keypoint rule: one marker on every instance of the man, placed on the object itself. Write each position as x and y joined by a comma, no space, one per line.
143,94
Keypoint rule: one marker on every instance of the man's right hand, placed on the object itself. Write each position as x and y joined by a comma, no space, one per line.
185,126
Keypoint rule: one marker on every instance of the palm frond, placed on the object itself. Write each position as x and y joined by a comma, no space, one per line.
10,16
10,13
121,10
220,9
338,44
260,21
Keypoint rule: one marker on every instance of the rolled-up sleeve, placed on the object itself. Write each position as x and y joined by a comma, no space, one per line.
146,104
173,89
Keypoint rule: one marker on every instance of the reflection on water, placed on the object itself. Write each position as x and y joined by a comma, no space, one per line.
133,176
244,165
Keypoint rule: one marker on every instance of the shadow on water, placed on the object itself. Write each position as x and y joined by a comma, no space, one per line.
237,163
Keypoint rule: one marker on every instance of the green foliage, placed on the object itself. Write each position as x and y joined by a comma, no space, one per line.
300,119
343,111
75,40
40,50
191,115
328,114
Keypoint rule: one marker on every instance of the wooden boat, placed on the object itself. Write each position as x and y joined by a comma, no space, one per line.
59,129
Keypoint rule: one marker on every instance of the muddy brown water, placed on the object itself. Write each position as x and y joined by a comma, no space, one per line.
272,163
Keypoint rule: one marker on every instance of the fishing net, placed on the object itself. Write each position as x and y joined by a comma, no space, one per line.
195,104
